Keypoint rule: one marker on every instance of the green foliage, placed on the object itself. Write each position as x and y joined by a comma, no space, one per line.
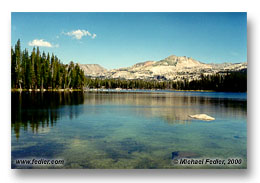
40,71
16,72
234,81
231,81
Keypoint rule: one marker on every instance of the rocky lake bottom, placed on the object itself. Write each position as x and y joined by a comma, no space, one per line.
128,129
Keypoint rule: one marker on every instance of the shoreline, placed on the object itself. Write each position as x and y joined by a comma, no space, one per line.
45,90
114,90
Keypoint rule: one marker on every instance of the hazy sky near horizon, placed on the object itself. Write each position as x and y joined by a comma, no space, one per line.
116,40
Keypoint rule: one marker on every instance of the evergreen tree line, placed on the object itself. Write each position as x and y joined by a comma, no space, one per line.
43,71
233,81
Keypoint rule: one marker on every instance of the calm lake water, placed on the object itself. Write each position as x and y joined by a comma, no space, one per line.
128,129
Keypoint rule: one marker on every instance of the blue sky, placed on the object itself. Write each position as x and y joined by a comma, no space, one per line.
116,40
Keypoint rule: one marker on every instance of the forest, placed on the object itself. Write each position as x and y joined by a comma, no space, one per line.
232,81
42,71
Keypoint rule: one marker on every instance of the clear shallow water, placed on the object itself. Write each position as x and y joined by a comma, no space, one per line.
128,130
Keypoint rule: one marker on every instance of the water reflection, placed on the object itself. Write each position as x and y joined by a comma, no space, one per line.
40,110
174,109
126,130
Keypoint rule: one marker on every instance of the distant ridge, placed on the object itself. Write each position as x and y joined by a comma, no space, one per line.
93,69
171,68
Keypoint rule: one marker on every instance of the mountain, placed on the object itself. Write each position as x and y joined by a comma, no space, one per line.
170,68
93,70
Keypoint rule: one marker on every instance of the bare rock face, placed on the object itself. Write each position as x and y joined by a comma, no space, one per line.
171,68
93,70
141,64
204,117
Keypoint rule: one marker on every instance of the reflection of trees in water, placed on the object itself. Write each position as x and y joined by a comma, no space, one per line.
173,108
39,110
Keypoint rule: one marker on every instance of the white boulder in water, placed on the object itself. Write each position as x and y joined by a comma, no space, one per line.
204,117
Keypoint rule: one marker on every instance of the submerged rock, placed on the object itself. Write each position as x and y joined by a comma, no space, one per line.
236,137
183,154
204,117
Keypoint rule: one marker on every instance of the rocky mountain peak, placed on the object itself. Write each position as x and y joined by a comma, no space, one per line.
181,61
93,69
147,63
171,57
171,68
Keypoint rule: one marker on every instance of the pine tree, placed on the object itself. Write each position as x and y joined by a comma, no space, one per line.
18,79
38,68
53,71
28,73
71,75
13,66
33,79
24,72
41,71
44,76
49,73
57,67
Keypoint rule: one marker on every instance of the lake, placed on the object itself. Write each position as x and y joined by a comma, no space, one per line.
135,129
